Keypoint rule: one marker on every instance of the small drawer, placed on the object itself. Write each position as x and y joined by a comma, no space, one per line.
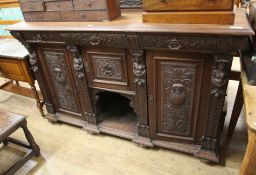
85,16
10,68
29,1
108,68
90,4
32,7
59,6
42,16
167,5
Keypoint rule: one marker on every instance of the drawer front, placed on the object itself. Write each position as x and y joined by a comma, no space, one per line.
107,69
164,5
32,7
42,16
90,4
29,1
59,6
12,70
84,16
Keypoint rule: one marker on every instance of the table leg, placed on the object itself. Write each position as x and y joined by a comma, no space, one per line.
30,139
17,83
248,166
236,110
39,103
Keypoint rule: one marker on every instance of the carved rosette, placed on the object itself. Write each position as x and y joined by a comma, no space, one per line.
108,68
219,82
139,67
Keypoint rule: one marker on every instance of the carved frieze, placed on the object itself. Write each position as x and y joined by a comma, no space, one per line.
177,93
59,74
96,39
194,43
171,42
41,37
131,3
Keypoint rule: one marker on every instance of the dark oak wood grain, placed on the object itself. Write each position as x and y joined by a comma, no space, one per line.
156,84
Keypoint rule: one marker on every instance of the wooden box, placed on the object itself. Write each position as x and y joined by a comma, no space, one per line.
70,10
189,12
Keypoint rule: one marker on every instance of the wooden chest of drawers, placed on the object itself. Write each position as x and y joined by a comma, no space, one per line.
70,10
189,12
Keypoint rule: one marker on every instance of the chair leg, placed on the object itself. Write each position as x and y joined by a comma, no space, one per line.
30,139
39,103
236,110
6,141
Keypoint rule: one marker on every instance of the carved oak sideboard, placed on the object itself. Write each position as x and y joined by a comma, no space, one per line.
156,84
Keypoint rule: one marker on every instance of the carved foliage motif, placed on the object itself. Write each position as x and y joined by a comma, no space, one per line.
108,67
131,3
61,81
138,41
177,93
96,39
139,67
186,42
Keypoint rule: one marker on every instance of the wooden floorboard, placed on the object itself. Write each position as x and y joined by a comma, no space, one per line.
69,150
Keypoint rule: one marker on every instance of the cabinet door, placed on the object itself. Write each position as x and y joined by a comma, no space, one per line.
57,72
174,87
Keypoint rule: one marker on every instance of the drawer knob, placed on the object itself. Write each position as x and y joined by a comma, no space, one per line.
88,4
174,44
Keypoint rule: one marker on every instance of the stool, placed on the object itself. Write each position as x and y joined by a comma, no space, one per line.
9,123
14,65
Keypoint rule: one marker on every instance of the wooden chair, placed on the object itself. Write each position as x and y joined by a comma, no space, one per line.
238,105
9,123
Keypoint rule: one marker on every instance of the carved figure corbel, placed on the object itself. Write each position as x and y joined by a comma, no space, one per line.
139,67
219,77
33,61
77,61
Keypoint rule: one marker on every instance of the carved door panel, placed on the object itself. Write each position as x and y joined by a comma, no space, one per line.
174,88
55,63
108,68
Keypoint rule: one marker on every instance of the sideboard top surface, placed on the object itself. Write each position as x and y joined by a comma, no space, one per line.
131,21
